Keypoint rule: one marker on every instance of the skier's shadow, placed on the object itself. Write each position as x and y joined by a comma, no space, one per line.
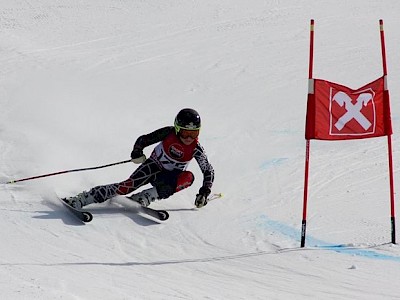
59,212
131,213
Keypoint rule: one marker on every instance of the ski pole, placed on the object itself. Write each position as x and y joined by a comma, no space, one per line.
67,171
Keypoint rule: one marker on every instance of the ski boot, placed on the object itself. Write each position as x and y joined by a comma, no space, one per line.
145,197
80,200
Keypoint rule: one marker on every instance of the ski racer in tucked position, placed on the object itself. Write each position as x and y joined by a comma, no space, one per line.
165,169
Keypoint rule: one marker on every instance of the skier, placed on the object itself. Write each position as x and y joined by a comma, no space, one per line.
165,169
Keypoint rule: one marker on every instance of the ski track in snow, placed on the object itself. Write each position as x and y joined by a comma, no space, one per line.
80,81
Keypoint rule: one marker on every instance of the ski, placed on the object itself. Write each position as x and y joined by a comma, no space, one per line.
82,215
159,214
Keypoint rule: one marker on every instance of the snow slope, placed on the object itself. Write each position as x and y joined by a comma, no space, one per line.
81,80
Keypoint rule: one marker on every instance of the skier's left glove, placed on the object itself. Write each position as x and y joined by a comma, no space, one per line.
201,197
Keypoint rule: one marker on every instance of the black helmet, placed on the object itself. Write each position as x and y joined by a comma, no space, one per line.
187,119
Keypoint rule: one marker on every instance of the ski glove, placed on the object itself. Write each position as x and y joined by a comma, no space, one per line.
137,156
201,197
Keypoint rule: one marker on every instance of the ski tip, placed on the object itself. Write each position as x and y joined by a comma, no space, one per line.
163,215
87,217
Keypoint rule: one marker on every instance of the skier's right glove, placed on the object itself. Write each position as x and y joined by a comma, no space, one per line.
201,197
137,156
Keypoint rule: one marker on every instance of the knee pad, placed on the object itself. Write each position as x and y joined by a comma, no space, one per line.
166,188
185,179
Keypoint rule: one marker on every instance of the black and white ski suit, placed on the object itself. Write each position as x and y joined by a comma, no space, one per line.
165,168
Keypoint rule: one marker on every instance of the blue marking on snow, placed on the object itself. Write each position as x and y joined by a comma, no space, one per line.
267,223
273,163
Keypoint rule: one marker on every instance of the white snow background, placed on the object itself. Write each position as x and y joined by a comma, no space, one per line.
81,80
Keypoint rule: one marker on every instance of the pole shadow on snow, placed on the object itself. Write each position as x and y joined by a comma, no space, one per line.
184,209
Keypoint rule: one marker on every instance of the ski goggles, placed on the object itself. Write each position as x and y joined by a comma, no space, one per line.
185,133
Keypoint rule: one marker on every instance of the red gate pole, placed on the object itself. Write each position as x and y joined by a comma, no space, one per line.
389,139
307,158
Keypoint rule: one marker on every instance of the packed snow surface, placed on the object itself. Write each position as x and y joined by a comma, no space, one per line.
81,80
